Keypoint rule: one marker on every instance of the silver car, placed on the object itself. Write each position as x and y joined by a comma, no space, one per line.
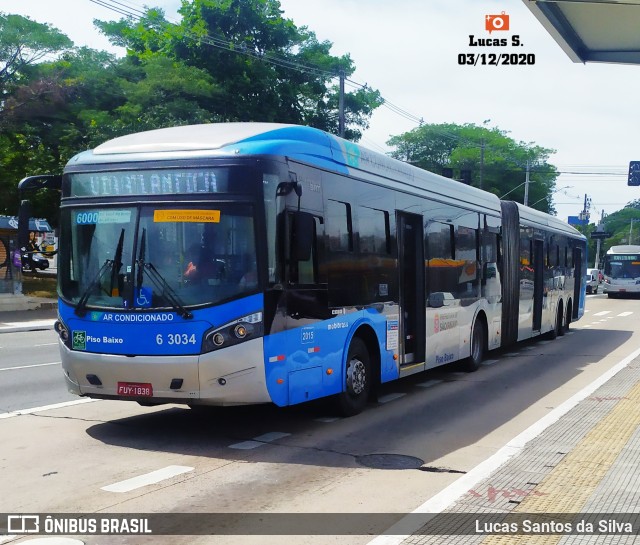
592,278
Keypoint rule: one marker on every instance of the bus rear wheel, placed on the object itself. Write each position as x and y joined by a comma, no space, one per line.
478,347
358,379
560,322
567,319
552,334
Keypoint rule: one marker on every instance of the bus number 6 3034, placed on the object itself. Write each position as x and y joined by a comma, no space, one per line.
176,338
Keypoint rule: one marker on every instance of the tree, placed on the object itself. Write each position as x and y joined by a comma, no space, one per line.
26,94
23,43
621,224
260,66
487,157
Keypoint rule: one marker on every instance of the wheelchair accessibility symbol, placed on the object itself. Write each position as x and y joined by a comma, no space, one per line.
143,297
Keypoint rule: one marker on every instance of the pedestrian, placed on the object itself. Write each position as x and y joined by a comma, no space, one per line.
16,262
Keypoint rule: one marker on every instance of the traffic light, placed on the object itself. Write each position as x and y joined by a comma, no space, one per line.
634,173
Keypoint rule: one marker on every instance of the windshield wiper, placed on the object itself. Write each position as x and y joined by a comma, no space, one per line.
158,280
114,265
117,265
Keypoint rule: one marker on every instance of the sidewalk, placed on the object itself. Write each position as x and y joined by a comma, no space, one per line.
570,479
40,313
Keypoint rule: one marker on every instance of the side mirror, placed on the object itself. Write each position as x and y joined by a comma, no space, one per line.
302,232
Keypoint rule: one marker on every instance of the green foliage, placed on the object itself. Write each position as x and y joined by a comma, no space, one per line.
227,60
619,224
258,65
496,162
24,42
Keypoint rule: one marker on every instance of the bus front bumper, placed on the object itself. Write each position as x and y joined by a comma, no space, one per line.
232,376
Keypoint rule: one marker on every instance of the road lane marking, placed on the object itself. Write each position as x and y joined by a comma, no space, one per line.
390,397
623,314
29,366
602,313
491,362
33,323
147,479
259,441
271,436
20,412
484,469
429,383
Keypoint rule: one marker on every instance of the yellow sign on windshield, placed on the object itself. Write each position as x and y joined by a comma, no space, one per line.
190,216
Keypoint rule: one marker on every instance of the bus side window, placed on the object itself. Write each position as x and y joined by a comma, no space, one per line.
303,265
440,275
339,228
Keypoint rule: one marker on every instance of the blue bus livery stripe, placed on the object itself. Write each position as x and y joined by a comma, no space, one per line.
307,362
159,333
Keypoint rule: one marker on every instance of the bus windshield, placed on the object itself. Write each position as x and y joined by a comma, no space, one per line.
622,266
157,256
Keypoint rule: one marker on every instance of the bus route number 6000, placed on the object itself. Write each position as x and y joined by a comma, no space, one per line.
176,338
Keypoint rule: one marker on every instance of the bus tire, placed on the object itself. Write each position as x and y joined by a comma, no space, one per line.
478,347
568,317
560,320
358,378
552,334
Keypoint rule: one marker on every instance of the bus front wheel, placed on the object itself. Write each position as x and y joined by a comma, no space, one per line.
358,379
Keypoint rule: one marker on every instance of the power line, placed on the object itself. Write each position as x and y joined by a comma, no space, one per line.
126,9
136,12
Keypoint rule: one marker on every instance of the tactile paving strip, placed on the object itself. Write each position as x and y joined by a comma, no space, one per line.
585,463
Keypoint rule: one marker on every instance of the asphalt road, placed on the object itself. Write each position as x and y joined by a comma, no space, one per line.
297,460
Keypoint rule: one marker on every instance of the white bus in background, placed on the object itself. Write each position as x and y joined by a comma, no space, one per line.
622,270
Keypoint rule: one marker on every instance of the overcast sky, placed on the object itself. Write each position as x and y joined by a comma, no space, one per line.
408,50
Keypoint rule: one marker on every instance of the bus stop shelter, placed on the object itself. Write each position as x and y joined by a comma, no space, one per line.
592,30
10,274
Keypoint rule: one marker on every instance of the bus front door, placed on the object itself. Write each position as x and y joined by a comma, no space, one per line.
412,295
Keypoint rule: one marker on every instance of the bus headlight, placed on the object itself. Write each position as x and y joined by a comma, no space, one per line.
237,331
62,331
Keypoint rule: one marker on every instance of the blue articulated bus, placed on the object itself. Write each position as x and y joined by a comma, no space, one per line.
243,263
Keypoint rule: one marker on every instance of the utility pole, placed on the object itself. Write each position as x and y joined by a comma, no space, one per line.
584,215
341,105
481,161
600,227
631,231
526,186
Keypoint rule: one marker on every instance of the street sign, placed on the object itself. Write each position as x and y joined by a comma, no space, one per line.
600,234
634,173
577,220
